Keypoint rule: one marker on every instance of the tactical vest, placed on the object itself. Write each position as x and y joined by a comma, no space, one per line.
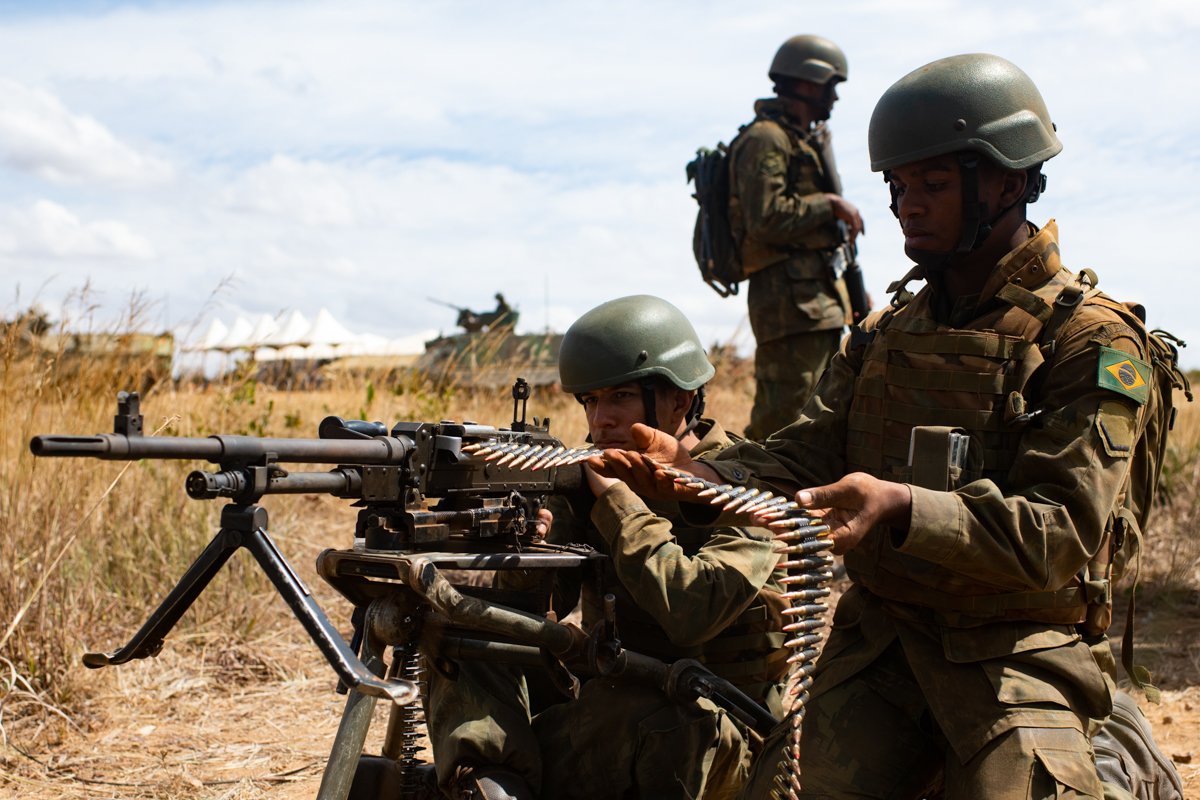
806,173
918,374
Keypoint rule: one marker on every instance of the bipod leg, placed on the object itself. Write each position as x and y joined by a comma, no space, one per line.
351,671
148,641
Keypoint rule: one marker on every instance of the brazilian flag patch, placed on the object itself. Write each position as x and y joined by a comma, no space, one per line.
1124,374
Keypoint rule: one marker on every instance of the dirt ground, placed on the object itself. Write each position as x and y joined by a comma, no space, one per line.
235,723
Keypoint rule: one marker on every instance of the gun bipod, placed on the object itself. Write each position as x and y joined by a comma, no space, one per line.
246,526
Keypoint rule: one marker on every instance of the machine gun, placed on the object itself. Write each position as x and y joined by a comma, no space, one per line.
426,503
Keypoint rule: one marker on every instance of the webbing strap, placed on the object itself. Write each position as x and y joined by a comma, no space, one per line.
1027,301
1065,304
1137,673
865,423
948,380
972,420
976,343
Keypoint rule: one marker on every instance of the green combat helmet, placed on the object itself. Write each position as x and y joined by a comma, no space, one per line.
974,102
634,339
809,58
974,105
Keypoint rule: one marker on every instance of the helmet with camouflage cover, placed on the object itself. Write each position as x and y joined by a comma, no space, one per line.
632,339
975,102
809,58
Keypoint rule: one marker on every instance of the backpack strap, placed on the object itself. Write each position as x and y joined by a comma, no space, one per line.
1068,300
1127,529
901,295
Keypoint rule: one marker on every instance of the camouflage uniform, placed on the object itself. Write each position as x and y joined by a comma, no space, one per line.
682,592
785,227
958,645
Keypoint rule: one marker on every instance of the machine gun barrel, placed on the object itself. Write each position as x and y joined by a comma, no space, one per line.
222,449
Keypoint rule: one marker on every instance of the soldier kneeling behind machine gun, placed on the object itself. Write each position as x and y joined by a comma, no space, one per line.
431,496
712,595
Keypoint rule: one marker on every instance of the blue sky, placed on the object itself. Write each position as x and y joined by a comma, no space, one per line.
362,156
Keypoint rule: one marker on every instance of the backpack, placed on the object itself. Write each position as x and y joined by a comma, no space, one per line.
717,254
1128,757
1145,473
1129,520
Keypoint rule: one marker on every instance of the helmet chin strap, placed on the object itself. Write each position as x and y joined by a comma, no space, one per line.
694,412
821,106
975,228
649,402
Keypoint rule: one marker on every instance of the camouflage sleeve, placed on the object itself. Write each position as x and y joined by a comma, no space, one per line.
770,213
1039,529
692,598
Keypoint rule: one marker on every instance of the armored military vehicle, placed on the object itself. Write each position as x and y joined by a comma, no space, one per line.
488,352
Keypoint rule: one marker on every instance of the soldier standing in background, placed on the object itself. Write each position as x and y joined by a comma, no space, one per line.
784,207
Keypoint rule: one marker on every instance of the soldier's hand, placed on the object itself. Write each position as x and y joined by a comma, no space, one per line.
844,210
641,469
543,523
857,503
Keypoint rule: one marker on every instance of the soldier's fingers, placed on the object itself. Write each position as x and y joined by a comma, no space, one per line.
599,464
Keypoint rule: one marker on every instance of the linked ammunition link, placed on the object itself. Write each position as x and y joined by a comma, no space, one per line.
809,567
406,725
806,560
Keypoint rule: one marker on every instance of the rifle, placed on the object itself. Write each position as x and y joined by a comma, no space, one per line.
425,504
845,266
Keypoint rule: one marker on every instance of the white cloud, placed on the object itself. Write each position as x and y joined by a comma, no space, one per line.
40,135
304,192
47,229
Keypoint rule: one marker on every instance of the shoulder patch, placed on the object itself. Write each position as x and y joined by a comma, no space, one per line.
1123,374
772,162
1116,422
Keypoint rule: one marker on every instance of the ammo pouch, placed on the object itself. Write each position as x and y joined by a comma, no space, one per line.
937,455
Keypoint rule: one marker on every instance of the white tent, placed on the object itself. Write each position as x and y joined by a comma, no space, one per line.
215,333
236,338
290,336
263,329
291,330
328,331
370,344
